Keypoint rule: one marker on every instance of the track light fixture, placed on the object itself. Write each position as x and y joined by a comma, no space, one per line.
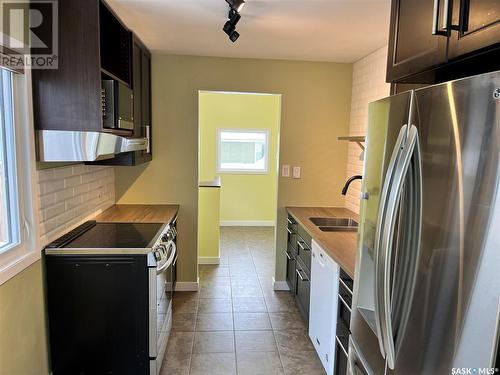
233,17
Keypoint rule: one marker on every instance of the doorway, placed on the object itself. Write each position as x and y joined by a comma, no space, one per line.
238,155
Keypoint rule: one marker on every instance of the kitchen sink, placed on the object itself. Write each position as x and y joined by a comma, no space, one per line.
339,229
335,224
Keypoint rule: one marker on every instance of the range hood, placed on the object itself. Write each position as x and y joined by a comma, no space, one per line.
75,146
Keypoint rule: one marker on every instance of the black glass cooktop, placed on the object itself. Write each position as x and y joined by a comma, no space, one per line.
116,235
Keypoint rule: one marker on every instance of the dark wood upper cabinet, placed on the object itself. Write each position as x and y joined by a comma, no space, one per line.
69,98
478,27
429,43
94,45
115,46
141,85
412,44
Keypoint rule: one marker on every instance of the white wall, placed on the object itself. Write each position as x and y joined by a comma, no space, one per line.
368,85
72,194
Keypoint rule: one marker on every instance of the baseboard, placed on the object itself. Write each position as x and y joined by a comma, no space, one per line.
208,260
280,285
247,223
189,286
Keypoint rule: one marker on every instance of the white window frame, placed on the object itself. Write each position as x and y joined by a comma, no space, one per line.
27,251
221,170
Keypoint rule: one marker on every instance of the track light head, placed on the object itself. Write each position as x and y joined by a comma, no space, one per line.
236,5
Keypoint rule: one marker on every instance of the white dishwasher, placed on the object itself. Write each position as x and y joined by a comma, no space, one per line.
323,305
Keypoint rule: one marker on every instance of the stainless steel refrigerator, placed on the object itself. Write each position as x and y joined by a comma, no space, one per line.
427,285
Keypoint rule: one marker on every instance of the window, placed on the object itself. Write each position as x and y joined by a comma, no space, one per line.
243,151
9,203
19,242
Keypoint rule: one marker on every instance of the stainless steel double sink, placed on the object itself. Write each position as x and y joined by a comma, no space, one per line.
335,224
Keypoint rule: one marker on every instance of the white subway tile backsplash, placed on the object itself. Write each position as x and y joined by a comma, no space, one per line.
368,85
72,194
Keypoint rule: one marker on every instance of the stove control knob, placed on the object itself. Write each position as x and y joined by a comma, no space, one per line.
157,255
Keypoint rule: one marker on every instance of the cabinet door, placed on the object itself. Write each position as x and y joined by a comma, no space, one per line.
478,24
302,289
137,86
323,306
413,48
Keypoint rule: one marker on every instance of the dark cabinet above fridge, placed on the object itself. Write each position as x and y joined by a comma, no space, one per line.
433,41
99,97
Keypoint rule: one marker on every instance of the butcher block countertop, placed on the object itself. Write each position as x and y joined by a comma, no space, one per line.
139,213
341,246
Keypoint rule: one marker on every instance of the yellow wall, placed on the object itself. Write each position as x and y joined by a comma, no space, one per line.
23,333
250,196
315,111
208,222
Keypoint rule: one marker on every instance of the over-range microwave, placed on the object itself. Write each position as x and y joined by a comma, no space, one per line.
117,101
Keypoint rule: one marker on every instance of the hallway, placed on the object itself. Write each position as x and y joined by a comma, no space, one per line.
236,323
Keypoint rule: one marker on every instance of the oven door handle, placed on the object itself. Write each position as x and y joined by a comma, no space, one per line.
170,259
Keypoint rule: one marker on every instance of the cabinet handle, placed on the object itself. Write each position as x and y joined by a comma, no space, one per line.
289,231
341,346
435,19
300,275
345,286
447,25
148,137
344,303
302,246
289,221
288,256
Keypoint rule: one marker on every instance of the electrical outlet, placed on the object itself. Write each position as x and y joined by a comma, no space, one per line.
296,172
285,170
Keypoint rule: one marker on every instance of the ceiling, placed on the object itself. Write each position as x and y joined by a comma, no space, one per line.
317,30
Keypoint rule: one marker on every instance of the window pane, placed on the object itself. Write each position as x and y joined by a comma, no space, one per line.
9,207
243,151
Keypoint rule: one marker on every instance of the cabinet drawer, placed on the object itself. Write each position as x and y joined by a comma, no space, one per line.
302,289
344,303
346,279
291,274
291,223
341,349
292,239
304,252
304,236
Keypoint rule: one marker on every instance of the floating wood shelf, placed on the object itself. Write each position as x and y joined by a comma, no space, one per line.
358,139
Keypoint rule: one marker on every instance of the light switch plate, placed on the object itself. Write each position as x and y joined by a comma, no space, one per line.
296,172
285,170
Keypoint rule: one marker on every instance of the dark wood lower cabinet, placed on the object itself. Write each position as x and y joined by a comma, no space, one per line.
298,265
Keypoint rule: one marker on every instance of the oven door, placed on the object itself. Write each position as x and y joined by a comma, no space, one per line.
160,294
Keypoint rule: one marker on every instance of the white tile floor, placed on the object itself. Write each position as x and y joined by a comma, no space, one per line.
236,323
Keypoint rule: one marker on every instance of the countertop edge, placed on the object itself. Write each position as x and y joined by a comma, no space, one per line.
140,213
332,252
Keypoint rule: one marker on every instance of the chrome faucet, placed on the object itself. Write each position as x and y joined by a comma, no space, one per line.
348,182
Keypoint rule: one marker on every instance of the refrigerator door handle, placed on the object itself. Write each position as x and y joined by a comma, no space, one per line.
411,150
386,188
